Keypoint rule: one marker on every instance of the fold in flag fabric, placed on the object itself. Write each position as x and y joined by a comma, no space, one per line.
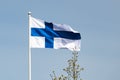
50,35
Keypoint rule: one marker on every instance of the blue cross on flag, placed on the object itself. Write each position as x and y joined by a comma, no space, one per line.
51,35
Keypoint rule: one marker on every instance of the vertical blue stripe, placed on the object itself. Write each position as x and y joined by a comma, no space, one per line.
49,42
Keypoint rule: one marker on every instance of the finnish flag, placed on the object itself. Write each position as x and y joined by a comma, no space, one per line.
51,35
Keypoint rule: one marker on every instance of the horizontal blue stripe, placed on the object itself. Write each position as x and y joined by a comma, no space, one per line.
68,35
49,33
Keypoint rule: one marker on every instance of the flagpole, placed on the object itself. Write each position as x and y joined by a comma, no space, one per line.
29,49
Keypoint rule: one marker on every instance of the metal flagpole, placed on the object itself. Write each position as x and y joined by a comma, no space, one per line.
29,49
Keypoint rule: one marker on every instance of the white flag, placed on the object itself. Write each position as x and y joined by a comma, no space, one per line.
51,35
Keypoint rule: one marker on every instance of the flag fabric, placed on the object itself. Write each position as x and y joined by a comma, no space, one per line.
51,35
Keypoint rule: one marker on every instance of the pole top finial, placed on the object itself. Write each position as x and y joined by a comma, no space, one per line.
29,13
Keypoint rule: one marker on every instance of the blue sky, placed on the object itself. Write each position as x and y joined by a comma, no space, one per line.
98,21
